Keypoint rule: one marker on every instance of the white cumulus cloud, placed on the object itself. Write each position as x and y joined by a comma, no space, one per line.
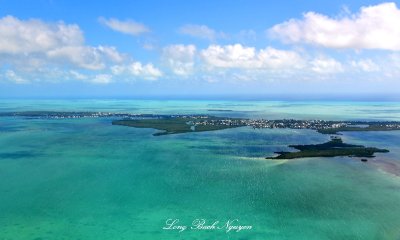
102,79
326,65
138,70
11,75
84,57
34,43
366,65
77,75
180,58
238,56
373,27
33,36
87,57
128,26
34,50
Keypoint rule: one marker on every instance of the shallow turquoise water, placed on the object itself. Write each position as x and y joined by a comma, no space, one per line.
86,179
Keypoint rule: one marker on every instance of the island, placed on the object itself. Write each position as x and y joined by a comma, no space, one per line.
178,124
173,124
335,147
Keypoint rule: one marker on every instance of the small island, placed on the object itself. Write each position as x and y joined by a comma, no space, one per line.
335,147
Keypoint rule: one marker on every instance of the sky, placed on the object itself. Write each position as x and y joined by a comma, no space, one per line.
200,49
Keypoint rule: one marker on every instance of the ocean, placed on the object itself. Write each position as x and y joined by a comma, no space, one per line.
87,179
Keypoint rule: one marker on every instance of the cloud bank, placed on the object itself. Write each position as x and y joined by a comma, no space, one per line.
55,51
35,50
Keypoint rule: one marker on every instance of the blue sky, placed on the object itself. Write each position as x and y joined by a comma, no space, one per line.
238,48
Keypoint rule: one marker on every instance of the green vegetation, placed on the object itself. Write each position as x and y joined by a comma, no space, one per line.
168,125
333,148
174,125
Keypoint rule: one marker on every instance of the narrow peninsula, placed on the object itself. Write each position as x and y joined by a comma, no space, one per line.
180,124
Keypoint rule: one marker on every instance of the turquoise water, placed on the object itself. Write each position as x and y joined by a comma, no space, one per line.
86,179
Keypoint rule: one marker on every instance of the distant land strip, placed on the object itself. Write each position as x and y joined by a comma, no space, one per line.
175,124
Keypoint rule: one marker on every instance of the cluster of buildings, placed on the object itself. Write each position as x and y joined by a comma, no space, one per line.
62,115
284,123
295,124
